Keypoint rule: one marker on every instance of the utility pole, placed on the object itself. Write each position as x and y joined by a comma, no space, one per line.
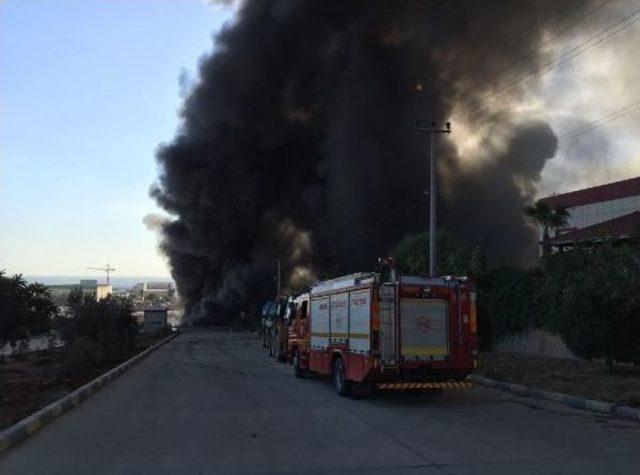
278,276
431,129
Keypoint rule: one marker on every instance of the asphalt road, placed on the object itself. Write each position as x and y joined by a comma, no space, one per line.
213,403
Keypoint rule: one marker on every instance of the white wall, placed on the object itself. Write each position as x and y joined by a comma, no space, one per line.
587,215
534,342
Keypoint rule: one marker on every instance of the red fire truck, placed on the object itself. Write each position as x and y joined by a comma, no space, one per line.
408,333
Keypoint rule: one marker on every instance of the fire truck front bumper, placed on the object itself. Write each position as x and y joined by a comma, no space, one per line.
431,385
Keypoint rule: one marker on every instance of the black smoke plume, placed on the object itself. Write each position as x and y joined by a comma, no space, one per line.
297,140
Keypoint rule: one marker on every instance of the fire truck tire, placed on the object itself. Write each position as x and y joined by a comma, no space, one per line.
273,344
298,372
340,383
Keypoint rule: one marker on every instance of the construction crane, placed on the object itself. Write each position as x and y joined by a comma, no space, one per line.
107,269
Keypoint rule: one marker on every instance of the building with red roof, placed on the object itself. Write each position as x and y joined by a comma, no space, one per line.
610,211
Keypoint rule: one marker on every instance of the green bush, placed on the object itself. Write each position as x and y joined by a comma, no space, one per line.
98,331
589,296
25,309
510,297
592,298
85,353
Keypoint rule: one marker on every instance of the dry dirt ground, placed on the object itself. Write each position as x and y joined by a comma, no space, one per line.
587,379
36,379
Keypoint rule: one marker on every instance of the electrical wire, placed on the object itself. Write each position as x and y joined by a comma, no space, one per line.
559,60
612,116
554,37
369,229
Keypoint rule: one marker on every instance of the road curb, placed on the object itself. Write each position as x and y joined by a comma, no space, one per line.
601,407
36,421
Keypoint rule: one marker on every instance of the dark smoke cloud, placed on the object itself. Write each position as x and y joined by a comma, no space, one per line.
484,204
298,136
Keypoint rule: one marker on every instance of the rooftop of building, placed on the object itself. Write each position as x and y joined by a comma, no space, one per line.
83,284
73,286
623,227
596,194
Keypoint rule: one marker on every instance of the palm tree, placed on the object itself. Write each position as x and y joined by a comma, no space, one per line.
547,217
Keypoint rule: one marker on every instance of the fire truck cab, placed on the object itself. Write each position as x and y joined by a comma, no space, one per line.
409,333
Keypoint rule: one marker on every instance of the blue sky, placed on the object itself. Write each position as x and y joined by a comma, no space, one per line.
88,89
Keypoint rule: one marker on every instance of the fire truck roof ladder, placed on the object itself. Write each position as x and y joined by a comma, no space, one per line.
343,282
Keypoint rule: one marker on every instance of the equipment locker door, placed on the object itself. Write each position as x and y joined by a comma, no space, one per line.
424,329
320,322
339,316
360,321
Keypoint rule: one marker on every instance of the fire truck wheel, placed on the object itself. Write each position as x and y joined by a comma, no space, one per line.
340,383
273,344
298,372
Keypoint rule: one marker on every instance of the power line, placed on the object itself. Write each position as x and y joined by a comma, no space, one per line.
554,37
369,229
409,203
561,59
346,244
612,116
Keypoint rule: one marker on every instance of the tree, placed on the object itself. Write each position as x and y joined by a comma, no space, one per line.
592,301
454,256
547,217
41,308
98,331
25,309
75,299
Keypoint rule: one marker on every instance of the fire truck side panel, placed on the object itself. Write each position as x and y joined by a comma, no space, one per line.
358,366
320,322
339,316
360,321
320,361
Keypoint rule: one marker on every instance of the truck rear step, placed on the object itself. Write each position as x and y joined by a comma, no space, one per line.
438,385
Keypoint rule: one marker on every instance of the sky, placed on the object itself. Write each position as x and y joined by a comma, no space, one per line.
603,79
590,76
88,89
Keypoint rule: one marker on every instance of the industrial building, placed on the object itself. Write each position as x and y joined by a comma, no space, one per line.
154,289
610,211
60,292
